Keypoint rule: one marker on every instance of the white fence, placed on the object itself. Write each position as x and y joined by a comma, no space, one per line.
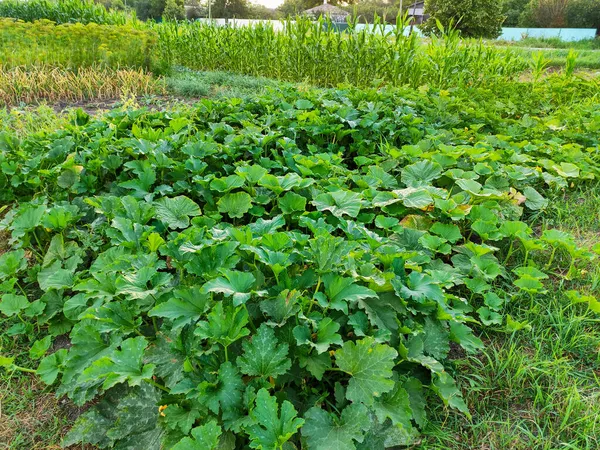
509,34
565,34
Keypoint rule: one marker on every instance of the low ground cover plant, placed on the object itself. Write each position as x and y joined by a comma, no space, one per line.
295,269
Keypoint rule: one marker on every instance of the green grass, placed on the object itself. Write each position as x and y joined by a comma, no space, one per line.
188,83
538,388
586,59
28,120
32,417
585,44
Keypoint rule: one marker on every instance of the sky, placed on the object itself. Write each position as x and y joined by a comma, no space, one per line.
268,3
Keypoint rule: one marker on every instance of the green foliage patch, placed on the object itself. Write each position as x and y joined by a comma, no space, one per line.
292,270
316,52
63,11
75,45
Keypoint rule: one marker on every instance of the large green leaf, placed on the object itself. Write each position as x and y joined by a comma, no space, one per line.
235,205
50,366
324,337
264,356
225,392
125,415
175,212
12,263
340,291
232,284
225,325
421,173
205,437
186,305
13,304
419,287
445,386
339,203
55,277
534,200
326,431
125,365
370,366
394,405
270,428
291,203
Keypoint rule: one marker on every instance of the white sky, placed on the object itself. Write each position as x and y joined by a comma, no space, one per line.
268,3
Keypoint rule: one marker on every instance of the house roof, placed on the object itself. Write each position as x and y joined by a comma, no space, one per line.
327,9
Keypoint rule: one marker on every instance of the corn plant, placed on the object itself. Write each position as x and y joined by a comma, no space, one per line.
315,52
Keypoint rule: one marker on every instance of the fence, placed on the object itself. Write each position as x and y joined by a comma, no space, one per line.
508,34
565,34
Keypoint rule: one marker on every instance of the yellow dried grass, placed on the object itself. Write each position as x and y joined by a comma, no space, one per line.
50,84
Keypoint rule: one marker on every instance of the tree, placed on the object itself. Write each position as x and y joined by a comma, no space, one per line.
513,9
293,7
261,12
195,9
474,18
174,10
365,11
148,9
228,9
545,14
583,14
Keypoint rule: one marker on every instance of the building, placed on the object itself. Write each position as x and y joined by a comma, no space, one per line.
416,11
337,15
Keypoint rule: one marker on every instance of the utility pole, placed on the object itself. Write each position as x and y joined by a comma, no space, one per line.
209,14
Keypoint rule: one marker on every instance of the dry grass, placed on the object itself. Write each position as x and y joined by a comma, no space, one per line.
31,417
33,85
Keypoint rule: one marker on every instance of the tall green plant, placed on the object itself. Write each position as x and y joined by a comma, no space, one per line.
74,45
315,52
63,11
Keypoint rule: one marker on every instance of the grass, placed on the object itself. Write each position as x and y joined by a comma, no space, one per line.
586,59
187,83
538,388
32,417
555,50
585,44
28,120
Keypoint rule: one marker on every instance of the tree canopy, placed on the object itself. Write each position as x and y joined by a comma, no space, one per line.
474,18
